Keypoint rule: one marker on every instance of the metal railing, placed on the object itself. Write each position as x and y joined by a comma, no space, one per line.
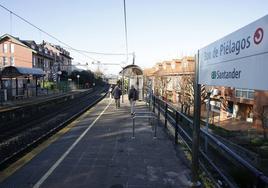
224,166
13,93
146,115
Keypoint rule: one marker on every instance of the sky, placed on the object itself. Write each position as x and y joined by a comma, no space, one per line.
158,30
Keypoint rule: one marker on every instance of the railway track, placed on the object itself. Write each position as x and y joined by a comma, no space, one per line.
17,140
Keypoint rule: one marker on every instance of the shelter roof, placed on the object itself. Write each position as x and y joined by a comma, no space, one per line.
131,70
13,72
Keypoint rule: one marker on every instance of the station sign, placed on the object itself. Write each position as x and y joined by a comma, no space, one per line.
238,60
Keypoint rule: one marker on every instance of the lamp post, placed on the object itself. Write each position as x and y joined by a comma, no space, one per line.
59,73
123,85
78,76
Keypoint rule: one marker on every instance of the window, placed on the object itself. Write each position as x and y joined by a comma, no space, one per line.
12,47
5,61
244,93
185,64
173,65
46,64
12,61
34,61
5,48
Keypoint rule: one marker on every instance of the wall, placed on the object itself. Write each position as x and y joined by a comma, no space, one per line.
22,55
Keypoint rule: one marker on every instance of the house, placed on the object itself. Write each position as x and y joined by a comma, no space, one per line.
62,60
243,104
51,59
14,52
42,58
168,78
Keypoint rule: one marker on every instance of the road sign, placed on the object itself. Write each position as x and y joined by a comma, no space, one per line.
238,60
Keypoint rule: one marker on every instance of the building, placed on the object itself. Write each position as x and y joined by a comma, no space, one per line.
53,60
243,104
42,58
62,59
173,81
14,52
168,78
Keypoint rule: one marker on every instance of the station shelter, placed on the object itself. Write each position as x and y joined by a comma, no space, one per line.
134,75
20,82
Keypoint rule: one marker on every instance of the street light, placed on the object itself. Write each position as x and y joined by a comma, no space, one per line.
78,76
59,73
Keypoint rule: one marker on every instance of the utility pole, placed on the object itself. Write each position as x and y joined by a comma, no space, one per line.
123,85
133,60
125,21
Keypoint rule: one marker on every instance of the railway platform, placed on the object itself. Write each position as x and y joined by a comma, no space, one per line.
9,105
97,151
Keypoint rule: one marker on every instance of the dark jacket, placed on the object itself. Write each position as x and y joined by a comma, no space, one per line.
117,92
133,94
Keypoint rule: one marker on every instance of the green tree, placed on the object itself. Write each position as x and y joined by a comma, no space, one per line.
86,77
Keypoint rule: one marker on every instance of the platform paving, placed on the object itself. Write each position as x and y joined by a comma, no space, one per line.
106,156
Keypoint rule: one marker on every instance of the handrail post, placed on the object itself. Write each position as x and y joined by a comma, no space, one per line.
155,126
133,127
158,112
150,103
166,107
176,128
153,103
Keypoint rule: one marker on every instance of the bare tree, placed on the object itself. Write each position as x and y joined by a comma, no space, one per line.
185,87
187,93
161,82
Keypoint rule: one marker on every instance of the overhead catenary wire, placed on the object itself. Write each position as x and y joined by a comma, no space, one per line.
45,32
103,53
65,45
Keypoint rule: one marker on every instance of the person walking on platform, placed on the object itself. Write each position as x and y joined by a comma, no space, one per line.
132,97
117,94
110,91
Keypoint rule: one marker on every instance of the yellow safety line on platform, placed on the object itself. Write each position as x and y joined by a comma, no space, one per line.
29,156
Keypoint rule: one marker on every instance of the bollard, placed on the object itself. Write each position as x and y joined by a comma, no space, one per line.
176,128
133,127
